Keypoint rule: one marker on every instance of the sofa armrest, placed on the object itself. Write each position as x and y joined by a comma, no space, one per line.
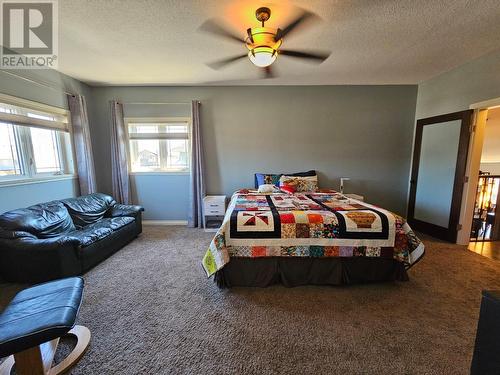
31,259
29,244
125,210
13,234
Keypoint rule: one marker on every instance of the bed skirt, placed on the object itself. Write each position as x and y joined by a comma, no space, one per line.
291,272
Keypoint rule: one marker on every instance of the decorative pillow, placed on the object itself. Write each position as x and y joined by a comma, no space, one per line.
300,183
290,189
268,178
310,173
266,188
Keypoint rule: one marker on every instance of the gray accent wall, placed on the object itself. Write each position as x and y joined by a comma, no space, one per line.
453,91
456,90
361,132
12,197
54,96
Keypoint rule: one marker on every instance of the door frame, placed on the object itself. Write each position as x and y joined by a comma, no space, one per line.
451,232
473,165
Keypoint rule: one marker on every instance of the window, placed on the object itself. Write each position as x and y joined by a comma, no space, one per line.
9,153
34,141
159,145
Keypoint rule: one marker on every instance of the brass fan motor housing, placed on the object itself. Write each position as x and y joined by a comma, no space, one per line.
263,14
262,37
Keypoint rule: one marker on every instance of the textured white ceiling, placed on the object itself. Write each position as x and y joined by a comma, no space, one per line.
140,42
491,145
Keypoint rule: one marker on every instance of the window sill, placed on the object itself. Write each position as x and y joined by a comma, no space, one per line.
37,180
179,173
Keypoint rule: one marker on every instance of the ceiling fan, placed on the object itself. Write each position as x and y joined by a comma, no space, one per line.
264,43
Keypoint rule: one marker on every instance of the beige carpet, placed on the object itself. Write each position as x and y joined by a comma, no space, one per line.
151,310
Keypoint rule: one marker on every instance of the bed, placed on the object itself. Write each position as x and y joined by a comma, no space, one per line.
319,237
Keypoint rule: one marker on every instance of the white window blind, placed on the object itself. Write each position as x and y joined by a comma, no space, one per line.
29,115
171,130
159,144
35,141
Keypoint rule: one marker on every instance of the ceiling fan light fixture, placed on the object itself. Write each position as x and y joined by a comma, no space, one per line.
262,56
262,46
264,43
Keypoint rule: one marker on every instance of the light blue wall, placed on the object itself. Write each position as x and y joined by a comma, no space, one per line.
164,197
12,197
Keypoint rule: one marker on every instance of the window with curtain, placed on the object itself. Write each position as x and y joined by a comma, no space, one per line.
34,141
158,145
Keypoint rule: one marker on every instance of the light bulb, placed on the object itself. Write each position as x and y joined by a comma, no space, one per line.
262,56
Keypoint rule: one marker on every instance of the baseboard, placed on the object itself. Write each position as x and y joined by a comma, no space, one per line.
164,222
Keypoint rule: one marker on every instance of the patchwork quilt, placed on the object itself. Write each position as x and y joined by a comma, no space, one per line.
314,224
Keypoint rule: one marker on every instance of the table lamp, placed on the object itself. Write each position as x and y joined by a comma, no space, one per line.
342,179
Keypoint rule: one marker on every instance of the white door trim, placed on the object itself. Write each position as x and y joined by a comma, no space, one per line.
473,165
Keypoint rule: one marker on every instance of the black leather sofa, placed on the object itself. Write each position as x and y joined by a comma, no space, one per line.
64,238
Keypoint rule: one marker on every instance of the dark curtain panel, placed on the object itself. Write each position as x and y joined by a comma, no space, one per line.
119,157
197,179
82,143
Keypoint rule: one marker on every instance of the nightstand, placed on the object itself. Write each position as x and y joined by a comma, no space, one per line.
355,196
214,209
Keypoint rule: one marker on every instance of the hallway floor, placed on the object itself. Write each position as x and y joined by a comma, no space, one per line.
487,249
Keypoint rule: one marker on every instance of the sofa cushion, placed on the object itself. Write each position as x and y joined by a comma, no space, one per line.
88,209
97,231
90,234
116,223
124,210
45,220
113,223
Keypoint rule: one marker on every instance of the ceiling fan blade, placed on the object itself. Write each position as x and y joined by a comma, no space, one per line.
268,72
214,27
222,63
317,57
304,15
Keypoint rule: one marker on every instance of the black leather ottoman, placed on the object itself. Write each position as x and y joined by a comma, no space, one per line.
33,322
486,359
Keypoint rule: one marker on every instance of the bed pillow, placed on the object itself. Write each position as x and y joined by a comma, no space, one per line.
309,183
268,178
310,173
266,188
